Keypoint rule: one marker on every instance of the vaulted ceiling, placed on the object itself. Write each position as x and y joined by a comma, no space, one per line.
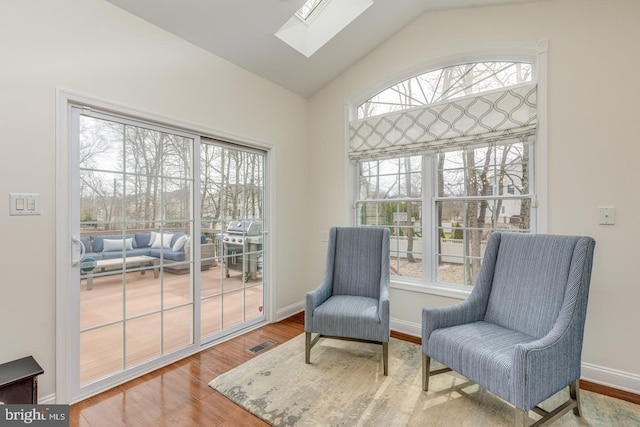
243,32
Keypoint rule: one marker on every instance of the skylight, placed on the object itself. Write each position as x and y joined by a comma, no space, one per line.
318,21
308,8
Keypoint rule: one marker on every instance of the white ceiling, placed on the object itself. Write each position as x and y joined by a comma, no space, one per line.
243,32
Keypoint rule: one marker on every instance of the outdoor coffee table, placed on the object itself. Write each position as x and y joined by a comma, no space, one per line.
105,265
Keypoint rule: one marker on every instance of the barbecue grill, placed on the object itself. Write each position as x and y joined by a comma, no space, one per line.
241,243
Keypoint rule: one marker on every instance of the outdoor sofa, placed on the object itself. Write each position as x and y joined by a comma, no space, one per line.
174,247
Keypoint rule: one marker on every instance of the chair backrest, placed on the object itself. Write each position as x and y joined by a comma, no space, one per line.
358,257
532,276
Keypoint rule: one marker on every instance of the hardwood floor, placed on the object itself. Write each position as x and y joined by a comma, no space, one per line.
178,395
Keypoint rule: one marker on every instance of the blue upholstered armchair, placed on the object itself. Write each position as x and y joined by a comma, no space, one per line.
352,301
519,334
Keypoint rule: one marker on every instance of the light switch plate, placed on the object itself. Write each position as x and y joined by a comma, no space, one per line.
24,204
606,215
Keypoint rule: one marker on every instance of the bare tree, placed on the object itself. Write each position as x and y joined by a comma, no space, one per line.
97,187
209,181
525,206
410,208
144,151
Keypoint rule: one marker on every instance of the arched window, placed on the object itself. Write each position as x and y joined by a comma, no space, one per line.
445,84
444,159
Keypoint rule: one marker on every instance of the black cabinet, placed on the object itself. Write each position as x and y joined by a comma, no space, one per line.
19,381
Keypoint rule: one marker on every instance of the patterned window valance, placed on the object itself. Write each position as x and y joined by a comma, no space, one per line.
503,116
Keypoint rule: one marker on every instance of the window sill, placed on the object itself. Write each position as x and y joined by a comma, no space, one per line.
441,290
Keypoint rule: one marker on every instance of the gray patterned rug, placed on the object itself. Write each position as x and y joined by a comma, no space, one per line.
344,386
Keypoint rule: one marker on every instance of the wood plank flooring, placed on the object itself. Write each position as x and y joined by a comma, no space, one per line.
179,395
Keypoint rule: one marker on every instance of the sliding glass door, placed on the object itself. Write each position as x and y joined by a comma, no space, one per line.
232,207
157,279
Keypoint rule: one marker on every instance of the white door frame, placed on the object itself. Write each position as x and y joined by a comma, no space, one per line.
67,311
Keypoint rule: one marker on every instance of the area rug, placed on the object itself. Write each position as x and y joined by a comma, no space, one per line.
344,386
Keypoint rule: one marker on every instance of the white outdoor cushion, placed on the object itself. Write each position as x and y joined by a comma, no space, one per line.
162,241
180,243
110,245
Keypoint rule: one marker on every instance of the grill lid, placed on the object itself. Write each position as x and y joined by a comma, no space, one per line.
246,227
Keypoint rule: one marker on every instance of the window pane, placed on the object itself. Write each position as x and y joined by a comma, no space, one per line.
464,223
142,200
143,339
464,228
103,349
177,157
100,197
392,178
404,222
143,151
178,325
446,83
307,9
406,241
100,144
176,199
451,183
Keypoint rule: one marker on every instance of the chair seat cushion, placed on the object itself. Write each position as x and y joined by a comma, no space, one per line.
481,351
349,316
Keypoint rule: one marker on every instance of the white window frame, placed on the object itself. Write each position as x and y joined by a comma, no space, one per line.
534,53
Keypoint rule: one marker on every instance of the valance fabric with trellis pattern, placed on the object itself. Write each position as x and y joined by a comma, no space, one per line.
500,116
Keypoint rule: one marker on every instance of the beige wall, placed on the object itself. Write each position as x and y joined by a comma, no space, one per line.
593,152
93,48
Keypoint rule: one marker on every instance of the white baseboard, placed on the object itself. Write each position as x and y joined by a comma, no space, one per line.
405,327
289,311
47,400
613,378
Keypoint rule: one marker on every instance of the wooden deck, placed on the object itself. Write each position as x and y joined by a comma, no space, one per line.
150,331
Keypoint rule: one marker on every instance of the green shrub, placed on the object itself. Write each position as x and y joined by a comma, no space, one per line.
458,233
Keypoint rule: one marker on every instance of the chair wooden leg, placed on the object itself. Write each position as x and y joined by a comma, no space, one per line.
426,365
573,403
385,357
574,393
522,418
307,348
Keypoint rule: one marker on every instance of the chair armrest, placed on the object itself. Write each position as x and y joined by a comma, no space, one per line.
547,365
313,299
543,367
470,310
383,302
383,310
318,295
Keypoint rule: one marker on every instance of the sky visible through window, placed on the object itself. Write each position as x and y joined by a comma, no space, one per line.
445,84
307,9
